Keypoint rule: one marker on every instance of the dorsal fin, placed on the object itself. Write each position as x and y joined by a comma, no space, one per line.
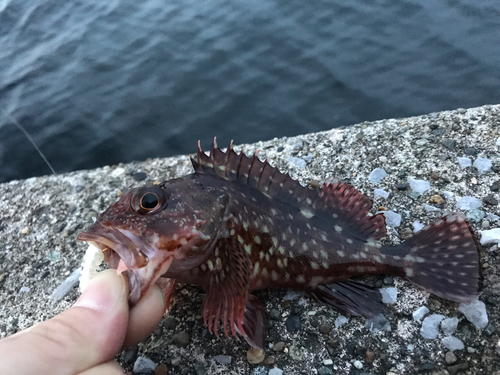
340,201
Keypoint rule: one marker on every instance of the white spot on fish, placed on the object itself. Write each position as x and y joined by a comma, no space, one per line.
257,240
304,246
307,213
274,275
265,229
338,228
281,249
256,267
232,232
315,281
248,249
210,265
264,272
300,279
240,239
279,262
349,241
314,265
261,255
340,253
324,254
275,241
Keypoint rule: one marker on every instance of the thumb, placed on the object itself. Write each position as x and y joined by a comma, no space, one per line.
89,333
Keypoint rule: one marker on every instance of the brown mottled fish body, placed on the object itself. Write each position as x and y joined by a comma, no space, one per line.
255,228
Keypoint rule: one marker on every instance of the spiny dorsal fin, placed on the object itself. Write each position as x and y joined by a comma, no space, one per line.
340,201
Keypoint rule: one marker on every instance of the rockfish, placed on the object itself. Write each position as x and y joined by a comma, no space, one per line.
237,224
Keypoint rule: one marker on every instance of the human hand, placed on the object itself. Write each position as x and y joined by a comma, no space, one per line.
84,339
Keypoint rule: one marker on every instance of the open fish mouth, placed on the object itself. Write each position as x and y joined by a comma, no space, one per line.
139,258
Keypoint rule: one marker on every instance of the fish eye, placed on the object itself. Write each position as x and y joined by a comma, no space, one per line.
149,201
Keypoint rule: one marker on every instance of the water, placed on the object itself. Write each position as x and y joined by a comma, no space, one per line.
102,82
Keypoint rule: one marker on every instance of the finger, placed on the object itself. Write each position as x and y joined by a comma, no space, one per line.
145,316
89,333
106,368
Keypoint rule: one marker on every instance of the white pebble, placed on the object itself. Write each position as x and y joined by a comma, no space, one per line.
298,162
492,217
464,162
490,236
24,289
377,175
419,186
328,362
452,343
430,208
389,295
429,329
417,226
62,290
468,203
475,312
420,313
358,365
143,365
340,321
448,194
276,371
381,193
382,159
498,142
449,326
483,165
392,219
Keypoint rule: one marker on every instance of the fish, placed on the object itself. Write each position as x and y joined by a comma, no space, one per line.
237,224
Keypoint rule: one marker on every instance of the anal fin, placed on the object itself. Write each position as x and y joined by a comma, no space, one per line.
351,297
254,323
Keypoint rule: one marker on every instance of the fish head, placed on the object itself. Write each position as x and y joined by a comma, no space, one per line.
149,227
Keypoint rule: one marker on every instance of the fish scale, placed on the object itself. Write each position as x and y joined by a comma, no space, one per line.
237,224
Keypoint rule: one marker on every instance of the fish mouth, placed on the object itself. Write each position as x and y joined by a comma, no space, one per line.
138,258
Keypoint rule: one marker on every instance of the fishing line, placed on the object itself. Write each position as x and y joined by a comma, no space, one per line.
25,132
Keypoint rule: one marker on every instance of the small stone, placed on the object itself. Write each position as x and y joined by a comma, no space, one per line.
381,193
295,353
401,173
436,199
452,343
420,313
377,175
470,151
293,323
323,370
269,361
340,321
25,230
140,176
255,356
464,162
430,208
490,199
450,144
162,369
275,314
448,194
495,186
170,322
402,186
429,329
419,186
181,339
468,203
389,295
475,312
143,365
358,364
328,362
378,323
434,176
475,216
130,355
223,359
483,165
276,371
490,329
369,356
392,218
417,226
457,368
176,361
449,326
382,159
325,328
298,162
450,358
279,346
490,236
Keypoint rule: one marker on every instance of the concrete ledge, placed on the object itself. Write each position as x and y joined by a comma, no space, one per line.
41,217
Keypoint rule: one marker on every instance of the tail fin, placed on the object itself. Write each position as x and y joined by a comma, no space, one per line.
442,258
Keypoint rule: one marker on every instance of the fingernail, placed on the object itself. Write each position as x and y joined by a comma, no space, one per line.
105,292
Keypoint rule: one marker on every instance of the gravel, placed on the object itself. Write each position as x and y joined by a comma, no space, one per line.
41,217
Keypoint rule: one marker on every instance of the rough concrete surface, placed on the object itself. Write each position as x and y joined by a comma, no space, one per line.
41,217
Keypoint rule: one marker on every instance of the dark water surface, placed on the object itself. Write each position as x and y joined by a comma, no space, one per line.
101,82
